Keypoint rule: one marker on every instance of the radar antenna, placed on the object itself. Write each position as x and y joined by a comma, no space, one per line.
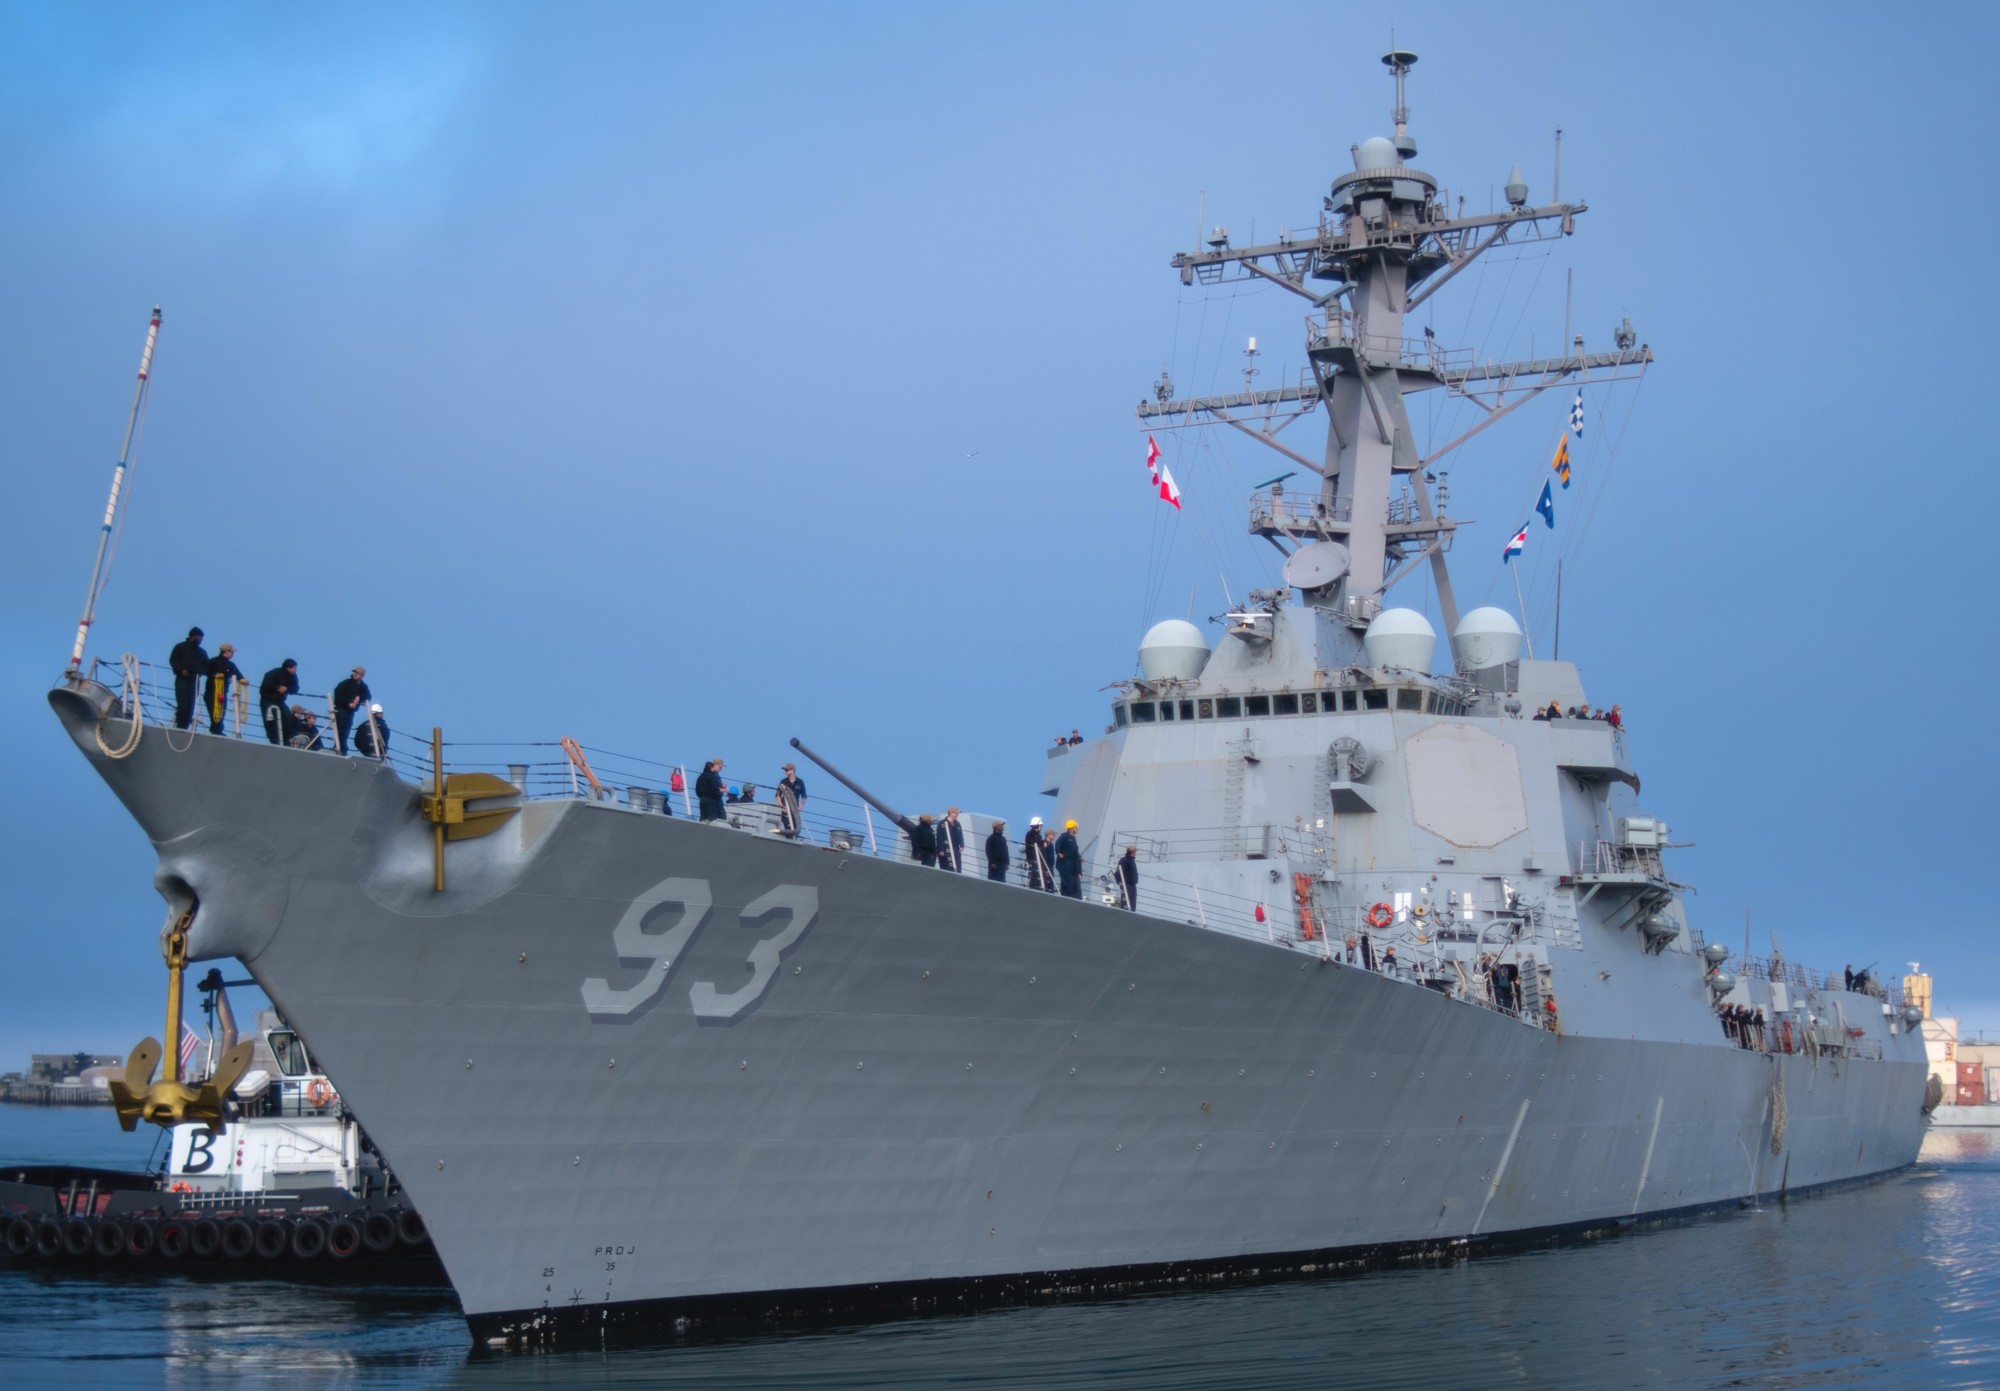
1387,241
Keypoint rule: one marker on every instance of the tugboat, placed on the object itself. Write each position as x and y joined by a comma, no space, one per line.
287,1185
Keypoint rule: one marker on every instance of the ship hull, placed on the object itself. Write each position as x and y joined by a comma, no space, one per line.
849,1084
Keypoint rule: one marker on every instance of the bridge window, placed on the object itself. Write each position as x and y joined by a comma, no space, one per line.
1407,699
1207,708
1142,712
1187,709
1166,709
1286,704
1257,705
1118,716
1228,708
1373,700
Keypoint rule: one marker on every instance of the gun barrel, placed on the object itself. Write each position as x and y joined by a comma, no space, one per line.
902,821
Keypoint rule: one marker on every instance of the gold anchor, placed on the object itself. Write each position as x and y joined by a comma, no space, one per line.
444,805
170,1101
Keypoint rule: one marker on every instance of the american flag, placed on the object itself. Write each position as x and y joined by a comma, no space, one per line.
190,1045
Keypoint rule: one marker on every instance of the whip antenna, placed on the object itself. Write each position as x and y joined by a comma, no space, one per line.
117,490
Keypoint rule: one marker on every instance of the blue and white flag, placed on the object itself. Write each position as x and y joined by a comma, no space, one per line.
1576,413
1516,546
1546,505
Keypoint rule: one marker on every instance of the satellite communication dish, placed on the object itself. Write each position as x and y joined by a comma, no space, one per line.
1317,566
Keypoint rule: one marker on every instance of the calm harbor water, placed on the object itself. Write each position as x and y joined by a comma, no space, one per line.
1891,1284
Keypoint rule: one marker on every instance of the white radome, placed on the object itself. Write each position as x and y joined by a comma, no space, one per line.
1400,638
1172,650
1378,152
1486,638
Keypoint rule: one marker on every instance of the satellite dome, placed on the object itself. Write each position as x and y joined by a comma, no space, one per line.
1377,152
1400,638
1485,638
1172,650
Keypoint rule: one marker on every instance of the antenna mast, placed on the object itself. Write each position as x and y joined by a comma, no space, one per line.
117,490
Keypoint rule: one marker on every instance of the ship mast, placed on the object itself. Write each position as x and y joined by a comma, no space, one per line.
1386,242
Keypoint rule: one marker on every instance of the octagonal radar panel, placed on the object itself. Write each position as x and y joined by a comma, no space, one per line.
1316,566
1172,650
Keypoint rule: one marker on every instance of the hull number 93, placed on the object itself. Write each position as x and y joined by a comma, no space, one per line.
684,905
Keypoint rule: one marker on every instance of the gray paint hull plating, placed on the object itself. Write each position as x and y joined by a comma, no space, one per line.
944,1079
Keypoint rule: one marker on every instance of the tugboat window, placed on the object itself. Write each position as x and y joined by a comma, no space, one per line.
1309,703
289,1053
1347,700
1375,699
1407,699
1257,705
1285,704
1166,709
1207,708
1118,716
1228,707
1187,709
1142,712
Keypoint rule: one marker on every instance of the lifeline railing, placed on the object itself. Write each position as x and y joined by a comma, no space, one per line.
567,769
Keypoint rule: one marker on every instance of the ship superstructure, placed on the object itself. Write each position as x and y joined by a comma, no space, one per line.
1409,968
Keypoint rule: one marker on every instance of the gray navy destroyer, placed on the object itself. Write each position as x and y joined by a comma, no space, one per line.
635,1070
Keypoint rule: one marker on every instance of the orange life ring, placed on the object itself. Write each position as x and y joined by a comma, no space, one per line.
318,1092
1381,915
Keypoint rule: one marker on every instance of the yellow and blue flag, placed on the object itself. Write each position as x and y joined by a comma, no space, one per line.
1561,464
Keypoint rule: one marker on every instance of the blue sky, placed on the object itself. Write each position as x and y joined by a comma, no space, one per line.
610,370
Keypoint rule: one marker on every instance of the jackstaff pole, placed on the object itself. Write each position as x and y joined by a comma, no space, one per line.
117,490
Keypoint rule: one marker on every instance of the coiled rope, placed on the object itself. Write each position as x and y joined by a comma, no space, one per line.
129,699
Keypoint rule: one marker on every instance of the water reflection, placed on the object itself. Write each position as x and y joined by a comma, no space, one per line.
1893,1284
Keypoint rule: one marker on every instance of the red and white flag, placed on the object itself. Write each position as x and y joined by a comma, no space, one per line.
1163,479
190,1045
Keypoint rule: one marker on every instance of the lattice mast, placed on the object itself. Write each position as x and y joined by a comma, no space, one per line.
1386,242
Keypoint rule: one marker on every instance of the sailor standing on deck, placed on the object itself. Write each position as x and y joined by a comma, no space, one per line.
1035,850
1128,878
924,842
1069,861
792,800
708,790
997,856
951,842
190,663
348,698
221,672
278,685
